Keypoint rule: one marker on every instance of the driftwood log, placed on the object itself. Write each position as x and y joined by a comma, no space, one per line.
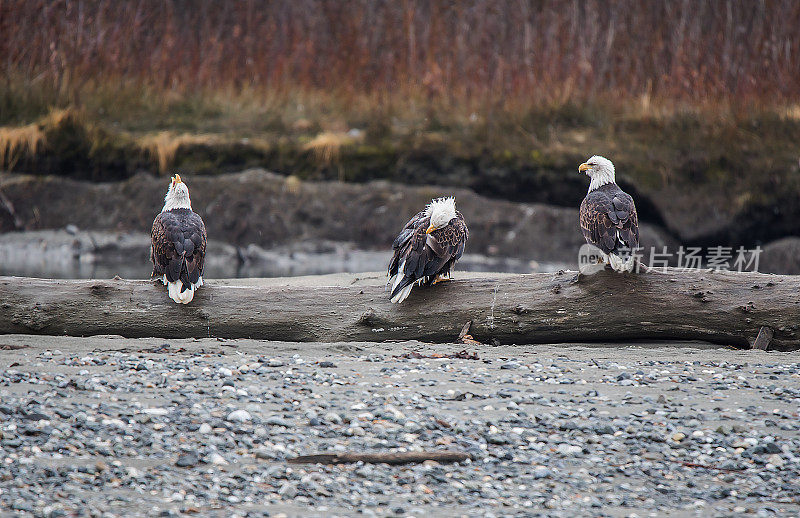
731,308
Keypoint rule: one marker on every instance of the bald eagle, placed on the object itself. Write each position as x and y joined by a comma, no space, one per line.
178,244
427,248
608,215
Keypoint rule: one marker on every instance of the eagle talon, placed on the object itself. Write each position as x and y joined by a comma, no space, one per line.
440,278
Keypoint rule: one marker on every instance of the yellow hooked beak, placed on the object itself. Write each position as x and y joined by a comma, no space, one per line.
430,229
584,167
176,180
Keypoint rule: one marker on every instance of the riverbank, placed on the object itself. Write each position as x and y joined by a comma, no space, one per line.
706,175
263,224
269,210
141,427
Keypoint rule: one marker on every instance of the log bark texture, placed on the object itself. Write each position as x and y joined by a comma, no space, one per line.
722,307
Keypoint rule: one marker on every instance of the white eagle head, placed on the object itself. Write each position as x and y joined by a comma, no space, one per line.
441,211
177,196
600,170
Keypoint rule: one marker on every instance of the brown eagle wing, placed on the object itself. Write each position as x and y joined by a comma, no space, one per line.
178,246
609,220
410,230
449,241
424,256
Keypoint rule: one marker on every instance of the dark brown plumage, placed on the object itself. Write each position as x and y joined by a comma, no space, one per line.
178,246
422,257
608,219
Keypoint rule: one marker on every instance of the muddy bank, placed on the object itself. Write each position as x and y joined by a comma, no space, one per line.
781,256
706,183
268,210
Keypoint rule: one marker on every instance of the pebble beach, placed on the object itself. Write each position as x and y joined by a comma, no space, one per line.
107,426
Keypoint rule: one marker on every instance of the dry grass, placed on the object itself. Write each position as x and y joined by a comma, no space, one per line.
165,145
60,117
792,112
18,142
443,53
327,147
25,141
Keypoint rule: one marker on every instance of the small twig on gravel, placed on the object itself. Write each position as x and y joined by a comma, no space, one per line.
763,339
689,465
464,355
442,423
465,330
706,466
412,457
465,338
163,348
460,355
467,395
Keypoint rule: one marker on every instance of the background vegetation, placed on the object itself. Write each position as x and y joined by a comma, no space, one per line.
458,52
697,102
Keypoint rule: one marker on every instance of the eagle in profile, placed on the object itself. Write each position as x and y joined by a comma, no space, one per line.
608,216
178,244
427,248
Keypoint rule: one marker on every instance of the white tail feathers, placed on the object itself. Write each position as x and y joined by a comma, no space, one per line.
394,282
402,294
174,289
397,278
619,264
185,297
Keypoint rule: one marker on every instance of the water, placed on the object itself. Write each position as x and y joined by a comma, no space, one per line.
84,255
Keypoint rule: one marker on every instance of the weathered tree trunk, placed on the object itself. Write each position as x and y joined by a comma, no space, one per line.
722,307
